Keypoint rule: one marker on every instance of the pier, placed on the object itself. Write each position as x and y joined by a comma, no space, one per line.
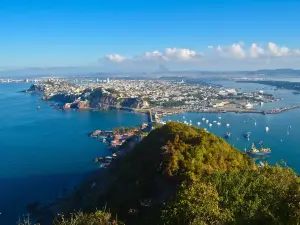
279,110
236,110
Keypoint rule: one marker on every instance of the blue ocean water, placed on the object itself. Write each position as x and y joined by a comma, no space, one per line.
283,141
45,151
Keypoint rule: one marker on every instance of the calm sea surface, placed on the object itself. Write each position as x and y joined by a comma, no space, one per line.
44,151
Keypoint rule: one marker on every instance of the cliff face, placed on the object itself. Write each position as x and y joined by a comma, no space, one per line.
36,88
136,103
100,100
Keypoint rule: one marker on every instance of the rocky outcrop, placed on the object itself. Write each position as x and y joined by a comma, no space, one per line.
95,134
136,103
67,106
36,88
82,105
100,100
63,98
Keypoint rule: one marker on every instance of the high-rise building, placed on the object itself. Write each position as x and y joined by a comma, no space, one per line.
107,80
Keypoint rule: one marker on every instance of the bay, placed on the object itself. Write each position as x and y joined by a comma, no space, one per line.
44,152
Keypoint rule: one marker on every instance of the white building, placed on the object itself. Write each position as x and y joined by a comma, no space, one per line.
248,105
217,103
231,91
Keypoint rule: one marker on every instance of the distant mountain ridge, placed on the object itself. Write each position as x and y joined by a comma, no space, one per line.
98,71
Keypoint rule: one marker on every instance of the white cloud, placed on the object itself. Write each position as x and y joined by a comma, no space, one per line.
215,56
153,56
115,58
235,51
275,50
256,51
180,54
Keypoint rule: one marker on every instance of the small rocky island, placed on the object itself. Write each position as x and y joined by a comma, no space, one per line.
121,140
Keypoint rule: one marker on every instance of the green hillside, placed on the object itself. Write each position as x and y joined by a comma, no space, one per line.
182,175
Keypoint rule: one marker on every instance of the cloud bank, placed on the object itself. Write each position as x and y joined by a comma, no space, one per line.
234,56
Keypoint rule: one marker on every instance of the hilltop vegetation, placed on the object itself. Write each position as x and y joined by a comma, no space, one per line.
180,175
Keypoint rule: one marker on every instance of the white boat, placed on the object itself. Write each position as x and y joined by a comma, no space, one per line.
214,121
203,118
267,129
255,123
207,121
183,117
219,124
219,117
210,125
198,123
227,125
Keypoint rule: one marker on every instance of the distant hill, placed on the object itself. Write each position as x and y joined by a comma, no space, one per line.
95,71
183,175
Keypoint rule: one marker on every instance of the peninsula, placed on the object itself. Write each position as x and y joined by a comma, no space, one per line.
161,96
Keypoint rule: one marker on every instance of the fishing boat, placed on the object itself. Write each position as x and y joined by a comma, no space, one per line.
258,152
227,135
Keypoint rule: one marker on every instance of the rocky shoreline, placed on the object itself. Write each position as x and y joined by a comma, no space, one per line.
120,141
71,96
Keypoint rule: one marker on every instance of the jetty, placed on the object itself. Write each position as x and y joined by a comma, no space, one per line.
241,110
279,110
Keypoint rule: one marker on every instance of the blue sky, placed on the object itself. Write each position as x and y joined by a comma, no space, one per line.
80,33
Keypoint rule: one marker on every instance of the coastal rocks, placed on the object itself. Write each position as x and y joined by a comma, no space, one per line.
35,88
82,105
95,134
67,106
100,99
76,105
136,103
